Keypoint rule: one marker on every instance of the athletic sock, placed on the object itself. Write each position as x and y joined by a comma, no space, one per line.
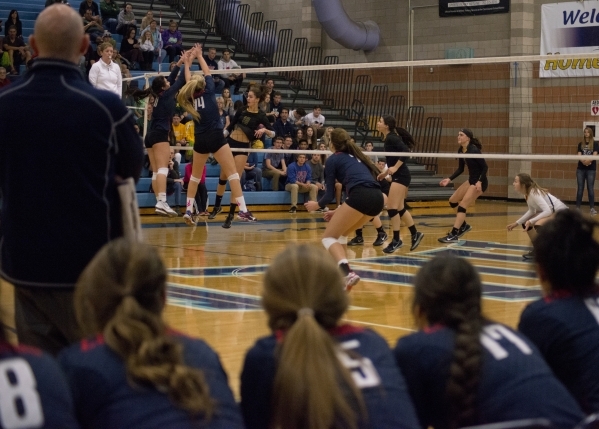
189,206
396,235
232,209
380,230
359,232
344,265
217,202
162,196
413,229
241,204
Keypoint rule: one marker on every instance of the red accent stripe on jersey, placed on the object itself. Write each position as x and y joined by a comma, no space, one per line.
6,347
433,328
558,294
88,344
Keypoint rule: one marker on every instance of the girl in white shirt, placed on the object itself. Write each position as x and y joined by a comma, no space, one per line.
105,73
146,44
542,206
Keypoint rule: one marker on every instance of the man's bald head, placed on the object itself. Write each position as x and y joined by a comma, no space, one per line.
58,33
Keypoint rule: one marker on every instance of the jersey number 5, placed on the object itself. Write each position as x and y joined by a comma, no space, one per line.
362,370
20,405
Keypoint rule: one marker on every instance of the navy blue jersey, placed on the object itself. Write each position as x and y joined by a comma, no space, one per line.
205,104
165,104
105,399
515,382
394,143
33,391
477,167
565,328
349,171
372,368
585,149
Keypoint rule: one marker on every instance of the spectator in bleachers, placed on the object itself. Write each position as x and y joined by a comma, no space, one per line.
92,27
228,104
315,119
302,145
226,63
251,172
174,183
3,79
110,14
147,50
213,65
274,165
18,51
106,74
133,370
13,19
126,19
224,116
145,22
463,369
326,137
107,38
299,175
323,157
299,135
180,133
159,53
311,137
296,117
275,103
314,370
90,4
281,126
317,174
369,147
288,144
51,2
172,41
269,86
130,49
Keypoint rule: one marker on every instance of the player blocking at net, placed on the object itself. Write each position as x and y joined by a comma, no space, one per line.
198,98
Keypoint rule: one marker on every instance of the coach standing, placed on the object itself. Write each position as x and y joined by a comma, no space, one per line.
60,205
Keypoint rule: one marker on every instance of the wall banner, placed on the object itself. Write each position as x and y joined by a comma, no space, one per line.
570,28
473,7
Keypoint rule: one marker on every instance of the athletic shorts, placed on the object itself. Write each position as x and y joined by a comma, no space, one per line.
209,142
484,184
368,201
156,136
402,179
239,145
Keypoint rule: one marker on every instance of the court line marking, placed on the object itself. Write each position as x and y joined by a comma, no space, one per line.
379,325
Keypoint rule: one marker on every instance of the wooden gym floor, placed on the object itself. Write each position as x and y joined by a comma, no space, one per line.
215,274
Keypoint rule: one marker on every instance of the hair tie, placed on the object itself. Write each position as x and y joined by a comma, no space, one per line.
306,311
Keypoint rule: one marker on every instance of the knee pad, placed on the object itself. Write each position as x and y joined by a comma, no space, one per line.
154,174
461,209
234,176
453,205
402,211
328,242
392,213
163,171
342,239
194,179
222,182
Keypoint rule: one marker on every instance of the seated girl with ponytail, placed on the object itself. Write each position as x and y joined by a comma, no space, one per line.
313,371
463,369
132,371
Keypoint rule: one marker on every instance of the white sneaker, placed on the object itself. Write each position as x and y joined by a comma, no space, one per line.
593,212
351,280
189,218
162,208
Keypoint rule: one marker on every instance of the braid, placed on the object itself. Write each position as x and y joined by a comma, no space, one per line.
465,367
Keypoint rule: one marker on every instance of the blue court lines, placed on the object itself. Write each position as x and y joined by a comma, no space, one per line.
397,270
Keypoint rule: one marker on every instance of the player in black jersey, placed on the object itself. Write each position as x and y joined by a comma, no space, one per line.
471,189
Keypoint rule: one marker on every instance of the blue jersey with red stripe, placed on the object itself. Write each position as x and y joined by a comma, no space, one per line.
370,363
515,382
565,328
33,391
105,399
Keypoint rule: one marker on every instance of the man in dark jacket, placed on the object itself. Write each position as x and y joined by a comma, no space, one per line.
45,243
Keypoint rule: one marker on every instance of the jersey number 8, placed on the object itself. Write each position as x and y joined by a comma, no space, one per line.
20,405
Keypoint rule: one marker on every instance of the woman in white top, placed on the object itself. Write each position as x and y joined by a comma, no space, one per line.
542,206
105,73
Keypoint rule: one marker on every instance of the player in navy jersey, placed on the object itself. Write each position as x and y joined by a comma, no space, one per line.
398,140
464,370
157,140
33,390
247,128
133,371
564,325
471,189
356,172
313,371
198,98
